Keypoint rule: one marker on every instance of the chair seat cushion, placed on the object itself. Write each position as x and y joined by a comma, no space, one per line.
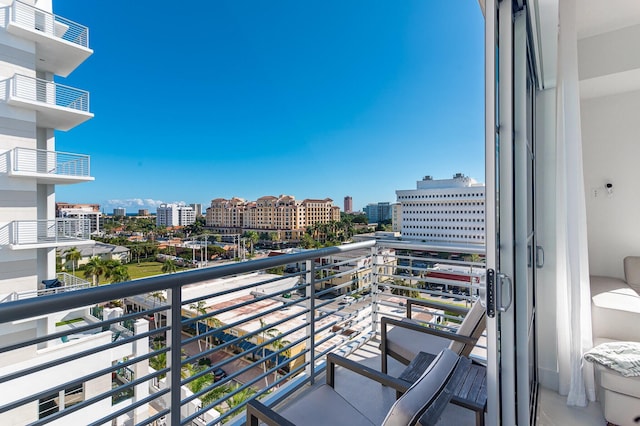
408,343
323,406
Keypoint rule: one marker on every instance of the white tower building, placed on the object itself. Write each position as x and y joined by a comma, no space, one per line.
443,210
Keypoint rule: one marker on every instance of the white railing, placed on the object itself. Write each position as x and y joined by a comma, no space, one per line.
49,231
53,25
225,334
28,160
49,92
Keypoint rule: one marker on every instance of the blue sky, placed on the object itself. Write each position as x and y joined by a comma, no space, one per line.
195,101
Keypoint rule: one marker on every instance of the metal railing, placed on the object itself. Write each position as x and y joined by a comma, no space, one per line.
219,336
49,231
49,92
28,160
55,26
68,283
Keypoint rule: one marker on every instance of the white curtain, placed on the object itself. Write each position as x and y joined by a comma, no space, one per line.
573,293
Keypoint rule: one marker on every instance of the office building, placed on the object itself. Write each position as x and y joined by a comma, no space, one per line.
443,210
348,204
378,212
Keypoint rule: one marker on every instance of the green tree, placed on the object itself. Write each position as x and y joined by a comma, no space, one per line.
169,266
199,309
266,335
73,255
94,269
240,397
119,273
158,296
252,237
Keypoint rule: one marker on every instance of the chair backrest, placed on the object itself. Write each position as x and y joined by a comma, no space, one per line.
473,325
431,392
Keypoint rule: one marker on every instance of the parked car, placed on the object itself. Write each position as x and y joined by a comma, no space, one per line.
219,374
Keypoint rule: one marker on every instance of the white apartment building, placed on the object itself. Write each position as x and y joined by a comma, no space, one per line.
443,210
89,212
175,215
35,46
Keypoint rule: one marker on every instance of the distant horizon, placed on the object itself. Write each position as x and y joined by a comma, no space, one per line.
246,99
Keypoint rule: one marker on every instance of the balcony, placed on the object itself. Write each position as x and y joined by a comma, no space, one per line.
30,234
220,336
61,45
65,283
57,106
50,167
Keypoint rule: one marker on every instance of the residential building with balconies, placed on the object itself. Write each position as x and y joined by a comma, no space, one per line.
37,45
174,215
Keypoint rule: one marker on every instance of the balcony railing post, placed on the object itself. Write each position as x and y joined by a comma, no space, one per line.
310,356
173,361
374,288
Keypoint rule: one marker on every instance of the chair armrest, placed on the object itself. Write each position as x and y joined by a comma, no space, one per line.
385,321
258,412
384,379
435,305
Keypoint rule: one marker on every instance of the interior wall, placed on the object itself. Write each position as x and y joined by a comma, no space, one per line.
611,154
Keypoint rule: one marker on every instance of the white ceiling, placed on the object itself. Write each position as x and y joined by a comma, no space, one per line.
599,16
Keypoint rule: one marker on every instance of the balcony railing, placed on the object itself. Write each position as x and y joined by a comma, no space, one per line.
48,233
48,92
50,165
66,283
218,336
56,26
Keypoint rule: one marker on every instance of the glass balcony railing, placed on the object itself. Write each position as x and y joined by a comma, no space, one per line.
194,347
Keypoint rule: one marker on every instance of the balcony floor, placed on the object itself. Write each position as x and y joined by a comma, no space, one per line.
376,399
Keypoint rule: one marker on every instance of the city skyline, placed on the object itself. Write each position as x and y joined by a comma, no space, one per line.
252,99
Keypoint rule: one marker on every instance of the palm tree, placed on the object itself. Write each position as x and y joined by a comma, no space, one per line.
278,345
169,266
267,334
199,309
94,269
240,397
158,296
73,255
119,273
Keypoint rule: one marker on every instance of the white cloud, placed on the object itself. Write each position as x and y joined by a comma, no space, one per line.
136,203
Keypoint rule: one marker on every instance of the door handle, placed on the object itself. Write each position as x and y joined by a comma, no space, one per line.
539,257
500,279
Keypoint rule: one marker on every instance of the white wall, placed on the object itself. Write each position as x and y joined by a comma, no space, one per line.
611,151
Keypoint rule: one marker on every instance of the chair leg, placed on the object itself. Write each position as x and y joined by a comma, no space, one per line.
383,367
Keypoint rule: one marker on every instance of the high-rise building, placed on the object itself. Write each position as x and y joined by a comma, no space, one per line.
283,214
174,215
444,210
81,211
143,212
348,204
119,211
36,47
378,212
396,217
197,208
